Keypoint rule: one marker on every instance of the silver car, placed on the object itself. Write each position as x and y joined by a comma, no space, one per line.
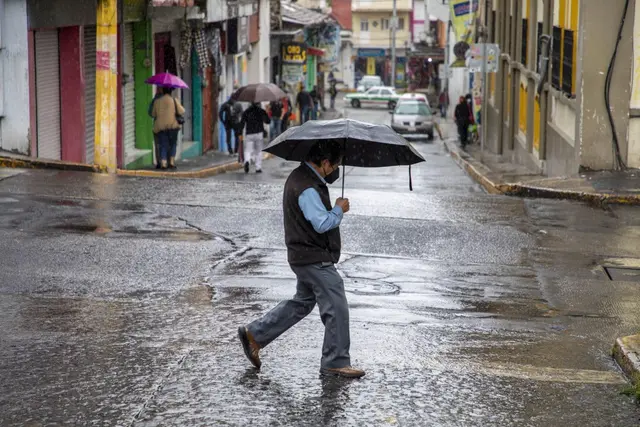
412,119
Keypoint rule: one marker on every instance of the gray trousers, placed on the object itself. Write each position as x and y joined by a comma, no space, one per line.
319,283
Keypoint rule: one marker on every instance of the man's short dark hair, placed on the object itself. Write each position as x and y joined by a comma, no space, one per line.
167,90
325,150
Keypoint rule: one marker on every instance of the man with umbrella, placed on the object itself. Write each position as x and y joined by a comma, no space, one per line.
312,236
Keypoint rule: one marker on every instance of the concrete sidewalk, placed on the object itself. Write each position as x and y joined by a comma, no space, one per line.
209,164
498,176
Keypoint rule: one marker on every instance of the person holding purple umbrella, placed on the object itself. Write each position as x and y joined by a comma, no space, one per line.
168,114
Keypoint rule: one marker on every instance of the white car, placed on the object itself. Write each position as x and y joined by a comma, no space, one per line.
420,97
368,82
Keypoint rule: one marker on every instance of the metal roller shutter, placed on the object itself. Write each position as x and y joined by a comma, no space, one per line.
48,94
90,92
129,133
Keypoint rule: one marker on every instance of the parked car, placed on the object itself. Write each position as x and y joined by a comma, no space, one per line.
367,82
377,95
412,119
421,97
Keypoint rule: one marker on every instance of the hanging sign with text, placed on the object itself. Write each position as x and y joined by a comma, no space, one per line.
294,53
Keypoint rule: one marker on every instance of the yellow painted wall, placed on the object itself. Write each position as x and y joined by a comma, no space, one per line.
376,36
536,124
523,109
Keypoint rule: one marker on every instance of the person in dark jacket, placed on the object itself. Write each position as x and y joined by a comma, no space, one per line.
277,112
463,120
230,113
253,120
304,102
312,237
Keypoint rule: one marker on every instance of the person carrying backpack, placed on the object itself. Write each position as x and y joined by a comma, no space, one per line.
277,111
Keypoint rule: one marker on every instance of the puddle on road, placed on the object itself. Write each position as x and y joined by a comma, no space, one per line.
510,309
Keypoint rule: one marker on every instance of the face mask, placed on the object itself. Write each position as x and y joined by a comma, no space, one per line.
333,176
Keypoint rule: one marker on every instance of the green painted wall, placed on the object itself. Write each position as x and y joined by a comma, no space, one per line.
196,97
311,72
144,92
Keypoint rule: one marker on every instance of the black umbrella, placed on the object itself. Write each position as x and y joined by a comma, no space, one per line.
261,92
364,144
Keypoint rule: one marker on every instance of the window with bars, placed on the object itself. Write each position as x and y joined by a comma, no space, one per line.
538,48
364,25
525,39
567,63
556,57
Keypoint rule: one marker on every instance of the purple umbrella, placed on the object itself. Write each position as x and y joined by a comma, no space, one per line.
167,80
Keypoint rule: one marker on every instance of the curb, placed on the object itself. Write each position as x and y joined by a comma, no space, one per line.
202,173
626,354
482,175
25,163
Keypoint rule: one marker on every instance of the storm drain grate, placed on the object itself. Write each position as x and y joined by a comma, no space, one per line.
625,274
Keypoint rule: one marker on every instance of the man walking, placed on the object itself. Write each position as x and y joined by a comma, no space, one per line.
312,237
463,120
229,117
333,92
253,120
277,111
304,104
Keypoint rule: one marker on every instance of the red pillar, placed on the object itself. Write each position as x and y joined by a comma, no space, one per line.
72,121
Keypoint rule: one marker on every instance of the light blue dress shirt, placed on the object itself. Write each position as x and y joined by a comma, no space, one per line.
314,210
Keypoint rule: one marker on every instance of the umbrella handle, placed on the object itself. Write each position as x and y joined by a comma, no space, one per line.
344,169
344,163
410,180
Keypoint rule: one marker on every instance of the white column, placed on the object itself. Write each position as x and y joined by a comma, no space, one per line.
14,76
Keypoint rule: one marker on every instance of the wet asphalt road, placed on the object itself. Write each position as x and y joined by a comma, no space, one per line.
121,298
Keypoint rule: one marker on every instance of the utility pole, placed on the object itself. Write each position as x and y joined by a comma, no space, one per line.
427,24
394,25
447,58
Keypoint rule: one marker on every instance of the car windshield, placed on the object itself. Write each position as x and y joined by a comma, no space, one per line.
413,108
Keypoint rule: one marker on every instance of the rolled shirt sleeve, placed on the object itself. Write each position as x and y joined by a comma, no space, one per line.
317,214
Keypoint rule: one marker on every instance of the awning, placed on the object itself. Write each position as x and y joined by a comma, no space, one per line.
314,51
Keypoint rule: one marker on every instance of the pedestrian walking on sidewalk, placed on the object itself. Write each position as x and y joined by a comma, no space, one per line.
333,92
167,112
253,120
230,114
312,237
462,118
277,112
304,104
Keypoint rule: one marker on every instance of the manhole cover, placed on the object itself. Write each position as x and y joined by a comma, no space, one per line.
625,274
370,287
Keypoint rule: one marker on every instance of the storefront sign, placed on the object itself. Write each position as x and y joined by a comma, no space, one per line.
294,53
292,73
243,34
329,42
481,52
370,53
463,18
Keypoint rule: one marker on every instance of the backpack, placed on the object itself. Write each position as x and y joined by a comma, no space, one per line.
236,113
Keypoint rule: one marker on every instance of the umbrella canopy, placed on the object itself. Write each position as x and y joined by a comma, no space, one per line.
261,92
364,144
167,80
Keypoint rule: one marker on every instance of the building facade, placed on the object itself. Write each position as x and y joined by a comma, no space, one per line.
553,117
49,62
372,38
